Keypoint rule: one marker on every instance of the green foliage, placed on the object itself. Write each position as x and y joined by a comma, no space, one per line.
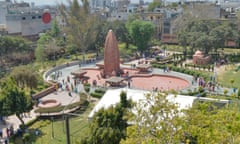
231,81
238,92
225,91
25,76
195,73
123,100
13,99
225,77
98,93
153,5
81,29
156,121
206,35
204,122
40,53
87,88
141,32
10,44
55,30
26,137
108,125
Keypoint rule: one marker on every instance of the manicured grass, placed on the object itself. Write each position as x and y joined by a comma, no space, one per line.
174,48
225,77
126,51
79,127
229,50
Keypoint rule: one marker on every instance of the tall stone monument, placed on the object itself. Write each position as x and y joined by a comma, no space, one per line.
111,55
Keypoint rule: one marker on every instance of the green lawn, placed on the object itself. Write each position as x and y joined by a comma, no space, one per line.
79,127
225,77
174,48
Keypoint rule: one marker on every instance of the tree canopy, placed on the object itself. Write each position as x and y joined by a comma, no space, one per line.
109,125
157,120
13,99
25,76
81,25
207,35
141,32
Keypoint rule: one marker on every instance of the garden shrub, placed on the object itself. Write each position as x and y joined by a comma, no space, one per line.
26,137
100,91
86,88
96,95
238,92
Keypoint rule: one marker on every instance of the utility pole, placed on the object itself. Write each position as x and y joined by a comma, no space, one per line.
52,128
67,129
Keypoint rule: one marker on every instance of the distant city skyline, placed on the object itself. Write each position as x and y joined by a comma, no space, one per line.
54,2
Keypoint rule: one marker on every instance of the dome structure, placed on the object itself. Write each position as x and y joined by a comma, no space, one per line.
198,53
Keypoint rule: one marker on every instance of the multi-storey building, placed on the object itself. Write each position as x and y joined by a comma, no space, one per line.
24,19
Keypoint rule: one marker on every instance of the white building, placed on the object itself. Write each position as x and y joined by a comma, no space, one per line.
22,19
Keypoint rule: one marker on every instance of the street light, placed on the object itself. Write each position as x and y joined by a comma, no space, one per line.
52,128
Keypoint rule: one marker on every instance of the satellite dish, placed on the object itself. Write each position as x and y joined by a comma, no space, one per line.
46,17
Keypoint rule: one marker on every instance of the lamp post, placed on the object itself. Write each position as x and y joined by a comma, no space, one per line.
52,128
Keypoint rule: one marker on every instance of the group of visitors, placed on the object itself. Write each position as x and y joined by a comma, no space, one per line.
68,85
166,69
9,131
57,75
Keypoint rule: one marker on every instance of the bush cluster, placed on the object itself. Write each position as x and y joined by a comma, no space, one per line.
200,92
234,57
183,70
204,67
87,87
98,93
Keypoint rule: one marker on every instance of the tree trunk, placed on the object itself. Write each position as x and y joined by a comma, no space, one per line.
19,117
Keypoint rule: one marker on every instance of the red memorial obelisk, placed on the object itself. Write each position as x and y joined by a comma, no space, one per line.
111,55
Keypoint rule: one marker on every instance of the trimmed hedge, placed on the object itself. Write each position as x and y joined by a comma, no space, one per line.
183,70
205,67
98,93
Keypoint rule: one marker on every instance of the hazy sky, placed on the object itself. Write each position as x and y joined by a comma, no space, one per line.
52,2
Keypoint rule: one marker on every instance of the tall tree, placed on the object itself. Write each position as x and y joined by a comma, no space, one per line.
14,100
156,120
109,125
55,30
141,33
212,122
153,5
25,76
10,46
81,24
